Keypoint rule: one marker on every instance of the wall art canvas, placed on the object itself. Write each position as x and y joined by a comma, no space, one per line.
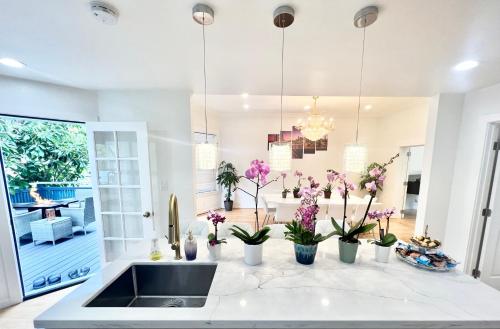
322,143
297,144
309,146
271,138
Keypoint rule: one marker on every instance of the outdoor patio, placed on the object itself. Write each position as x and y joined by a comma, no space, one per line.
46,259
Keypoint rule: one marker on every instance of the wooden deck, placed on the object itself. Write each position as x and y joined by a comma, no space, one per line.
44,259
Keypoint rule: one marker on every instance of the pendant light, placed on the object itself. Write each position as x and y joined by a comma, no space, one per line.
355,154
280,153
206,153
316,126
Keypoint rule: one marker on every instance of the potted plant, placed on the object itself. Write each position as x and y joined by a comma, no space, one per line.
386,239
327,190
257,174
296,189
227,177
214,244
285,190
253,243
301,231
372,180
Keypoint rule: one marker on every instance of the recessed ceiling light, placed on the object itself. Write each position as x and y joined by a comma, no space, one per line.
307,108
368,107
244,95
11,62
466,65
246,106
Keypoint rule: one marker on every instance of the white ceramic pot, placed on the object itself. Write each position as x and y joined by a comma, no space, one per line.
214,252
382,254
253,254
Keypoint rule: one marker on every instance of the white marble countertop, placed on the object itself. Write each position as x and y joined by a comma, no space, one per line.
281,293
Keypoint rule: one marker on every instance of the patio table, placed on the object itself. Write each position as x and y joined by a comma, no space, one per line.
51,230
32,206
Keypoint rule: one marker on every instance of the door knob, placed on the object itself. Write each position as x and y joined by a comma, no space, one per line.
146,214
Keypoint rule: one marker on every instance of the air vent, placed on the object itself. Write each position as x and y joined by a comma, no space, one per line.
104,12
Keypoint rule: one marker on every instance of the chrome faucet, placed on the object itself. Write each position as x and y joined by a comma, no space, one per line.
173,226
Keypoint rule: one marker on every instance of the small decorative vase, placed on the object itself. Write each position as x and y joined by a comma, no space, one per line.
283,194
214,252
347,251
305,254
253,254
228,205
296,194
382,254
327,194
190,247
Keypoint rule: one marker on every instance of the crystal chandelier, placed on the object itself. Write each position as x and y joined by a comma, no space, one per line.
280,153
316,126
355,154
206,153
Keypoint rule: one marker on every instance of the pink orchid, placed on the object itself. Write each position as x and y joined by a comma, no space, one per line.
371,187
331,176
297,173
375,214
283,174
387,213
375,172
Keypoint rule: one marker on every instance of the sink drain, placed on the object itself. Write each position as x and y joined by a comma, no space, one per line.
173,302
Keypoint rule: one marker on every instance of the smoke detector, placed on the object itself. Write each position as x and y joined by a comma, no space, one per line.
104,12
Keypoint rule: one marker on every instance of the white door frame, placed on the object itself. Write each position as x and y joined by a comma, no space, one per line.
487,129
9,266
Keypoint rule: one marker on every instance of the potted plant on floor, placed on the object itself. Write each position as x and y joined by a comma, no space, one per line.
285,190
386,239
372,180
256,174
227,177
296,189
214,243
301,231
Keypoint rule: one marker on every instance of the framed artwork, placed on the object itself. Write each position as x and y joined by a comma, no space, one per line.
297,144
271,138
286,136
322,143
309,146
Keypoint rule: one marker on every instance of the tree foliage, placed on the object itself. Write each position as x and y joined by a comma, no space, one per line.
42,151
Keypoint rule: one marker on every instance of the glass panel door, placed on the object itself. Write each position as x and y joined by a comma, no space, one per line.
120,171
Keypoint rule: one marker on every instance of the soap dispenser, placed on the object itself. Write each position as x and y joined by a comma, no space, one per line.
155,253
190,246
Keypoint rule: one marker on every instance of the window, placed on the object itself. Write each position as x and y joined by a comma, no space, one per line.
205,179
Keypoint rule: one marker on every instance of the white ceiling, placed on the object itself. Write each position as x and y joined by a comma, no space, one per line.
409,51
335,106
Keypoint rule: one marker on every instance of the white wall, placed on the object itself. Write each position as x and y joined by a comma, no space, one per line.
167,114
445,115
479,108
38,99
243,138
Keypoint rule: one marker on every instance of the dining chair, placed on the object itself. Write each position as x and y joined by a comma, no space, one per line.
285,213
224,232
269,212
277,231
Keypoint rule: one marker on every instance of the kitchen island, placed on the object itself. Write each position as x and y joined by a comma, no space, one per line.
281,293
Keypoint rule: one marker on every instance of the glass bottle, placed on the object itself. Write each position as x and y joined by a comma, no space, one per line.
190,246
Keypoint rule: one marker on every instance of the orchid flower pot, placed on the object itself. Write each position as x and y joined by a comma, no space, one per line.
228,205
253,254
296,194
214,252
305,254
348,251
283,194
382,253
327,194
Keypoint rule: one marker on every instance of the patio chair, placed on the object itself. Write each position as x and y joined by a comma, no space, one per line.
80,218
22,224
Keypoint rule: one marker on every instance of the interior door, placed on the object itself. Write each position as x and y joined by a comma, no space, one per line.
121,184
490,272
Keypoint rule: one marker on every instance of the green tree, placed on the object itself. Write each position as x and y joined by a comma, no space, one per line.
42,151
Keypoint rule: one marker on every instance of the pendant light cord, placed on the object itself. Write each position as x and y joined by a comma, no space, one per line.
282,61
361,79
205,79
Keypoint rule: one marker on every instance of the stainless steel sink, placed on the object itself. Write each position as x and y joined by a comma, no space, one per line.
165,285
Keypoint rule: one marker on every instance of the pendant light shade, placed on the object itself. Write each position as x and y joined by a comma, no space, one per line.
206,156
206,153
280,153
355,154
354,158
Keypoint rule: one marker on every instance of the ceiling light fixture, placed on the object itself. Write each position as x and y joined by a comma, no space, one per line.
104,12
355,154
280,153
466,65
206,153
244,95
316,126
246,106
307,108
368,107
11,62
